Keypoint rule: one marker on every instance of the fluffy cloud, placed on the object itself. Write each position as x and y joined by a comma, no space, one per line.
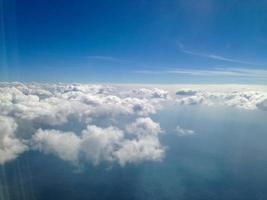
99,144
62,144
249,100
144,127
53,104
142,149
145,144
80,122
96,144
97,123
10,146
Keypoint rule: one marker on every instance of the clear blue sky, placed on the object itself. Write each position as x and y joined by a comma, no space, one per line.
141,41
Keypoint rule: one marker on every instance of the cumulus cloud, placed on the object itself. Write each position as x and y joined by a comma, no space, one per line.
142,149
100,144
144,127
10,146
54,104
145,144
97,123
96,144
62,144
80,122
250,100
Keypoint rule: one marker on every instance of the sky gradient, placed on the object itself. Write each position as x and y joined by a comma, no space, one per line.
205,41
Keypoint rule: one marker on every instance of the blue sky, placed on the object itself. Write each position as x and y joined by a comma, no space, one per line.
205,41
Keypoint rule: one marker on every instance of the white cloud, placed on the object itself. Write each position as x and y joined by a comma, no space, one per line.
97,123
99,144
10,146
42,116
144,146
81,101
144,127
96,144
144,149
216,57
106,58
183,132
38,111
212,72
65,145
250,100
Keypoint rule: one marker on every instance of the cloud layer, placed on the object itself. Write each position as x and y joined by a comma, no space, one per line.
250,100
77,122
98,123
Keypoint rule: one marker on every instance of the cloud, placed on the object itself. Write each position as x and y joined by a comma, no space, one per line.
65,145
106,58
182,131
76,122
186,92
214,72
216,57
80,101
262,105
145,144
96,144
10,145
143,149
144,127
249,100
82,123
100,144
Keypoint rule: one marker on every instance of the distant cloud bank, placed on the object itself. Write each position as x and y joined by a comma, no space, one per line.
98,123
250,100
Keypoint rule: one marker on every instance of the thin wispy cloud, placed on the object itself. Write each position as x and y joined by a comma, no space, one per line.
106,58
215,57
225,72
